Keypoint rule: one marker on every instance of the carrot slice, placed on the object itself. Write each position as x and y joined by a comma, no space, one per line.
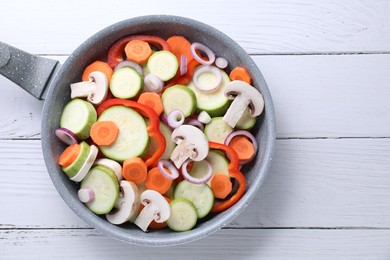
152,100
135,170
221,185
98,66
180,46
104,132
69,155
138,51
239,73
157,181
243,147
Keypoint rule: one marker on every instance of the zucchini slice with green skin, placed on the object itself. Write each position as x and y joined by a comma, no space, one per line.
246,122
75,167
217,130
200,195
78,116
218,162
126,83
215,103
183,215
179,97
163,64
133,138
105,187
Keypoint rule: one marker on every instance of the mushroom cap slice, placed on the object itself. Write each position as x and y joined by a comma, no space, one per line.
195,138
101,87
127,205
96,89
243,89
156,208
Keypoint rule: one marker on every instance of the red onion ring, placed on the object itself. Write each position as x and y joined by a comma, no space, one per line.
210,54
129,64
207,69
175,118
66,136
153,83
230,136
86,195
221,62
195,122
183,65
194,180
173,172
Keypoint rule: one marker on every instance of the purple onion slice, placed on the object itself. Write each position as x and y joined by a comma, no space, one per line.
66,136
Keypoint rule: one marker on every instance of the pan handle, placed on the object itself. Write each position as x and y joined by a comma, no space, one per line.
30,72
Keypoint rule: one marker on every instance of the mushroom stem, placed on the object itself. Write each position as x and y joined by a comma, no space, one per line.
147,215
182,152
236,110
82,89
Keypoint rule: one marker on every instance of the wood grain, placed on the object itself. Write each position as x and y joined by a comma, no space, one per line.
314,96
225,244
261,27
312,183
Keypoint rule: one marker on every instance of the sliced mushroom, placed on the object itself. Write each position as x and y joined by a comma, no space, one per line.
244,96
191,143
156,208
93,152
127,205
95,89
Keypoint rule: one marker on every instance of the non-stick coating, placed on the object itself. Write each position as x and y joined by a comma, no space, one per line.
95,48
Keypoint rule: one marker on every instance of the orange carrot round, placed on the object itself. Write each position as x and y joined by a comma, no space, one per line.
138,51
152,100
221,185
240,73
157,181
98,66
104,132
244,148
69,155
180,46
135,170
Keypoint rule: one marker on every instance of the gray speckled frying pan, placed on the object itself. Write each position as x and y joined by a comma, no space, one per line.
45,79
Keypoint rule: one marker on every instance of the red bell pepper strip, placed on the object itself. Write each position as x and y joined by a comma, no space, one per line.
153,127
235,173
115,54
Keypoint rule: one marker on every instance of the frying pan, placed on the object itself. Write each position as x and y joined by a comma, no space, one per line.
46,79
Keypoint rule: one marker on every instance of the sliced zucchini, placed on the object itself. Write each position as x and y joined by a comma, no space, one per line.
179,97
75,167
200,195
126,83
105,187
246,122
78,116
133,138
214,103
163,64
183,215
217,130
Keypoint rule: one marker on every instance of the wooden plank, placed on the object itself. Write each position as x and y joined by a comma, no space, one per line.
225,244
283,26
314,96
312,183
329,96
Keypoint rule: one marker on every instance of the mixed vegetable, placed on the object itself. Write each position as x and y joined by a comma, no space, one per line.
158,138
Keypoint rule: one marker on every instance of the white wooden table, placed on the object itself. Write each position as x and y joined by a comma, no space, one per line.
327,196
